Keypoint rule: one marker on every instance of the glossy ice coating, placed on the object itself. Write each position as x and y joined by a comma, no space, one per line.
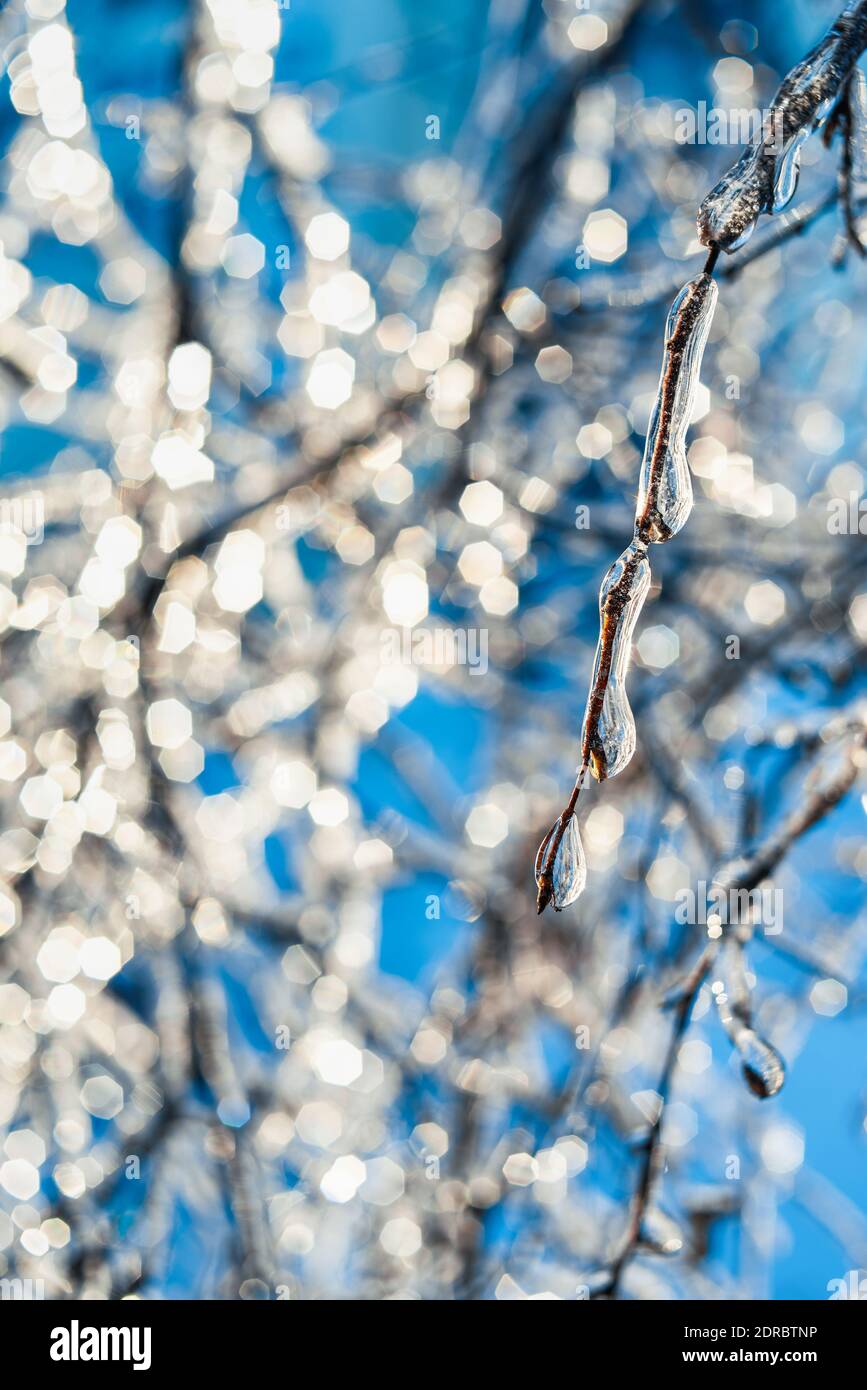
608,736
665,488
568,873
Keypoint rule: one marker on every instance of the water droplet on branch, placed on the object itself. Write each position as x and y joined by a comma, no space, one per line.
560,881
665,488
608,735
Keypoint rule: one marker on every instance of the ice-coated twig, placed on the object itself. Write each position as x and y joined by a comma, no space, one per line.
759,1059
653,1156
608,736
765,176
850,117
763,1067
664,503
762,180
665,488
747,874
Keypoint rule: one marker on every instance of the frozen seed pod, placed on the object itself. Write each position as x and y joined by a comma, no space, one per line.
561,869
665,487
608,736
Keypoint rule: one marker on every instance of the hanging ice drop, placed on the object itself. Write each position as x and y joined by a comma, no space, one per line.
563,880
608,736
665,488
788,170
763,1067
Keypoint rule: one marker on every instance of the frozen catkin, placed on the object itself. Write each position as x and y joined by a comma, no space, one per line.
664,502
765,176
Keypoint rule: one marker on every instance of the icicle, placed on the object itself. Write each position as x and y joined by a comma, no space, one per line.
608,736
787,169
665,489
563,881
788,172
763,1068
